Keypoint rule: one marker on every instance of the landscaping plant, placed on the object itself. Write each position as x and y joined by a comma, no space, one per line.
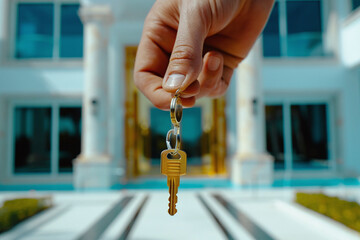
14,211
345,212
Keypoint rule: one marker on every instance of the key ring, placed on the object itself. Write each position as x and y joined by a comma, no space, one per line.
176,109
178,139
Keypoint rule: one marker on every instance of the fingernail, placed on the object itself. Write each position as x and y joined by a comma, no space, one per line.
213,63
175,80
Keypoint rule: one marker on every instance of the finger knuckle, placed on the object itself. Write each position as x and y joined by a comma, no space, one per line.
182,53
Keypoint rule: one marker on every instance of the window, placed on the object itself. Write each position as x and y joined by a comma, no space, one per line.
294,29
35,33
304,33
355,4
71,33
69,137
32,139
46,139
297,135
271,34
309,136
275,134
48,30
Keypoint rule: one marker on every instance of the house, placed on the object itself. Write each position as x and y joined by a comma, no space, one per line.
62,100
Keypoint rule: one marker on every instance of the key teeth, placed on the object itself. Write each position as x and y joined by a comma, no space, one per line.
174,211
172,198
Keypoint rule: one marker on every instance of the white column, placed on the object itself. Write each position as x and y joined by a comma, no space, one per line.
93,166
3,26
116,114
250,164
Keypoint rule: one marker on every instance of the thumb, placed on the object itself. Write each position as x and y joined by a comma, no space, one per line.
186,58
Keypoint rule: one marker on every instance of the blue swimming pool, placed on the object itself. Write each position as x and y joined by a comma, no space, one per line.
190,183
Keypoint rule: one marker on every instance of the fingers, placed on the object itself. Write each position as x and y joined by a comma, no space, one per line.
186,58
215,77
223,84
211,73
160,98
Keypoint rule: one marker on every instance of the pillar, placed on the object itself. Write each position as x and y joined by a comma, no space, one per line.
251,164
92,169
116,113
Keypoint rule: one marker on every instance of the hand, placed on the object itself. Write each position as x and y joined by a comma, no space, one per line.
194,46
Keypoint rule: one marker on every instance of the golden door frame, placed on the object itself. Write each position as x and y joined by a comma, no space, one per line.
137,131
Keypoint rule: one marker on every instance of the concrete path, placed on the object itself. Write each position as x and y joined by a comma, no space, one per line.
202,214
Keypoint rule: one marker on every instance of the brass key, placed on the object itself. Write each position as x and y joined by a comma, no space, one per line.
173,165
173,160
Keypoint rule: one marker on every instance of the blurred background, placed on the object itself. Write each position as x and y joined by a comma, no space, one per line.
71,117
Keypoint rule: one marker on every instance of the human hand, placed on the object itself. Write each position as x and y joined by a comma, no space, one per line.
194,46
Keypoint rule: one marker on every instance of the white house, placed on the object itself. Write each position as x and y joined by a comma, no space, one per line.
62,100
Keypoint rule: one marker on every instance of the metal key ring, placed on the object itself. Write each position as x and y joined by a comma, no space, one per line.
178,140
176,109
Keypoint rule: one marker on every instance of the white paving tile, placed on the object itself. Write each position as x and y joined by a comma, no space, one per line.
192,221
276,222
236,231
120,223
320,224
75,220
270,209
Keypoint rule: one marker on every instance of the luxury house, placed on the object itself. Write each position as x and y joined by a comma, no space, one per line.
70,113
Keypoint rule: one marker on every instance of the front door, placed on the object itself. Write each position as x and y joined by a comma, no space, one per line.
203,132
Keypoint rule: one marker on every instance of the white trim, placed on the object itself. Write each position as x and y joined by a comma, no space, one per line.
56,35
283,31
56,30
54,104
301,99
283,28
288,148
12,31
54,139
10,142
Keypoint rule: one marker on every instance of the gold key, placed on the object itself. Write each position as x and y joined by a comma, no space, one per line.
173,165
173,160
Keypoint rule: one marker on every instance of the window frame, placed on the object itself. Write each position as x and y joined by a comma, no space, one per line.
286,102
54,105
56,34
283,35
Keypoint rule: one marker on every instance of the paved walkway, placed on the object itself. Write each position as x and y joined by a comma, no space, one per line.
202,214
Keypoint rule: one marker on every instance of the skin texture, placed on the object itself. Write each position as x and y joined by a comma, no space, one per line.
203,40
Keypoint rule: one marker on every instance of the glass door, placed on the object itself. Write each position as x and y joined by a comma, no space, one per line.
203,132
299,134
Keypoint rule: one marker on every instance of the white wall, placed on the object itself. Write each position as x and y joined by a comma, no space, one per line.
40,81
351,121
3,134
33,83
284,79
302,76
350,40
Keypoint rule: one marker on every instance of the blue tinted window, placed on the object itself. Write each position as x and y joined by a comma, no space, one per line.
355,4
34,33
304,28
309,136
271,37
32,136
69,137
71,34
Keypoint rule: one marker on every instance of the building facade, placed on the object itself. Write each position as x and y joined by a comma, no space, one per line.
61,99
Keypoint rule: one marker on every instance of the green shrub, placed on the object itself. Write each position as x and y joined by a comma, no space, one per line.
345,212
14,211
